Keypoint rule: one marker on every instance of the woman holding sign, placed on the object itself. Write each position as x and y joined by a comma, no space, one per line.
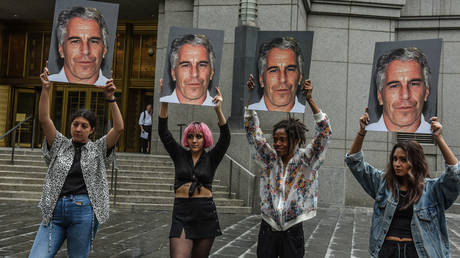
408,219
194,223
75,195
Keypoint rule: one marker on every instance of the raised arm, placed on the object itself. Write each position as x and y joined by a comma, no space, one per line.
447,186
218,108
218,152
49,130
369,177
262,152
357,144
118,126
171,146
447,153
315,152
308,89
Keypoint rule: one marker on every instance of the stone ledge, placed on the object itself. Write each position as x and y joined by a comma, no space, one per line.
428,22
373,8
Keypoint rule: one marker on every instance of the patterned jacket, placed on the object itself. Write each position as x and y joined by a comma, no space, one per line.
290,199
94,161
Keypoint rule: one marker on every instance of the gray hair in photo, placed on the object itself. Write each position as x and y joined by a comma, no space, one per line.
283,43
401,54
193,39
81,12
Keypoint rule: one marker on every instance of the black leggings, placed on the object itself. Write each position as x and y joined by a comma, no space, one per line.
396,249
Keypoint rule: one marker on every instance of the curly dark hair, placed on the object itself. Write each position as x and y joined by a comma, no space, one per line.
295,130
417,174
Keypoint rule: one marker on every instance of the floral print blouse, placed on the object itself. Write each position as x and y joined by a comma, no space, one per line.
291,198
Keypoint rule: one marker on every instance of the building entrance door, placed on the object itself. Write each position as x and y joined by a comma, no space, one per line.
24,107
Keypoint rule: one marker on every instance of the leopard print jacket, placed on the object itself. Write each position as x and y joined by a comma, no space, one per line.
94,161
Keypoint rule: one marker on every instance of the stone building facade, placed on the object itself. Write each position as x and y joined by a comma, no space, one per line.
345,33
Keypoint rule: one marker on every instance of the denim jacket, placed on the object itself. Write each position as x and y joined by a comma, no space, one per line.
428,225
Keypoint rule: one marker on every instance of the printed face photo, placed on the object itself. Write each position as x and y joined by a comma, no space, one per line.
280,79
82,50
82,42
192,66
282,64
403,95
192,74
403,92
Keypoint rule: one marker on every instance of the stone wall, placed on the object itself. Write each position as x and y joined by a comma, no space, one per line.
344,40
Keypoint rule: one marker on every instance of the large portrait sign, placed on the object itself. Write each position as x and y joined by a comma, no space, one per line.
282,65
192,66
403,91
82,42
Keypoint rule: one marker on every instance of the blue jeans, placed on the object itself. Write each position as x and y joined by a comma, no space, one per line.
73,218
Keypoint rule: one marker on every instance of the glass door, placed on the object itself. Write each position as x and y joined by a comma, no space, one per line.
24,107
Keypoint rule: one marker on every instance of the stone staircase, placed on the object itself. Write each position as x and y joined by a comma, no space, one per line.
144,182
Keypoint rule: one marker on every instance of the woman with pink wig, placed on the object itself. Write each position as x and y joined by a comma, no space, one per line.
194,223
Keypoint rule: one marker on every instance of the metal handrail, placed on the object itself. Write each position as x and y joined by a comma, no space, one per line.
113,184
114,177
246,171
13,130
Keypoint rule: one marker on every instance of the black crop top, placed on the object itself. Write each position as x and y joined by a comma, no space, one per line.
400,224
204,170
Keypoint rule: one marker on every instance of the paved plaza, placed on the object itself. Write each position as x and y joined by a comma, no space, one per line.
334,232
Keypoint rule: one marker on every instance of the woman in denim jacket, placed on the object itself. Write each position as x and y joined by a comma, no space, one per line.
408,219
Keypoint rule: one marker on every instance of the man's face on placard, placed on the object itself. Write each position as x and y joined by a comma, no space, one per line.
192,74
83,50
403,95
280,79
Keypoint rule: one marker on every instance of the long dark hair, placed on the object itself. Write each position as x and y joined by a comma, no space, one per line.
417,173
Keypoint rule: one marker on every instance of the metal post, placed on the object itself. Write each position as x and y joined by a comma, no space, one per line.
254,191
180,128
111,178
115,193
230,180
33,133
14,144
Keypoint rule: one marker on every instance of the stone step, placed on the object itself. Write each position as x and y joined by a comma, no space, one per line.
166,193
144,179
7,156
168,207
121,174
142,157
22,187
34,190
167,200
20,159
24,168
134,173
145,167
21,151
138,183
22,174
455,208
139,206
164,162
37,162
148,186
161,197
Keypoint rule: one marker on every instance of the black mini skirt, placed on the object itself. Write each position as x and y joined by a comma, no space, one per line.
197,216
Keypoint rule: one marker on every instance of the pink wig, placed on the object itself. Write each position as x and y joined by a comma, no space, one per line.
198,127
